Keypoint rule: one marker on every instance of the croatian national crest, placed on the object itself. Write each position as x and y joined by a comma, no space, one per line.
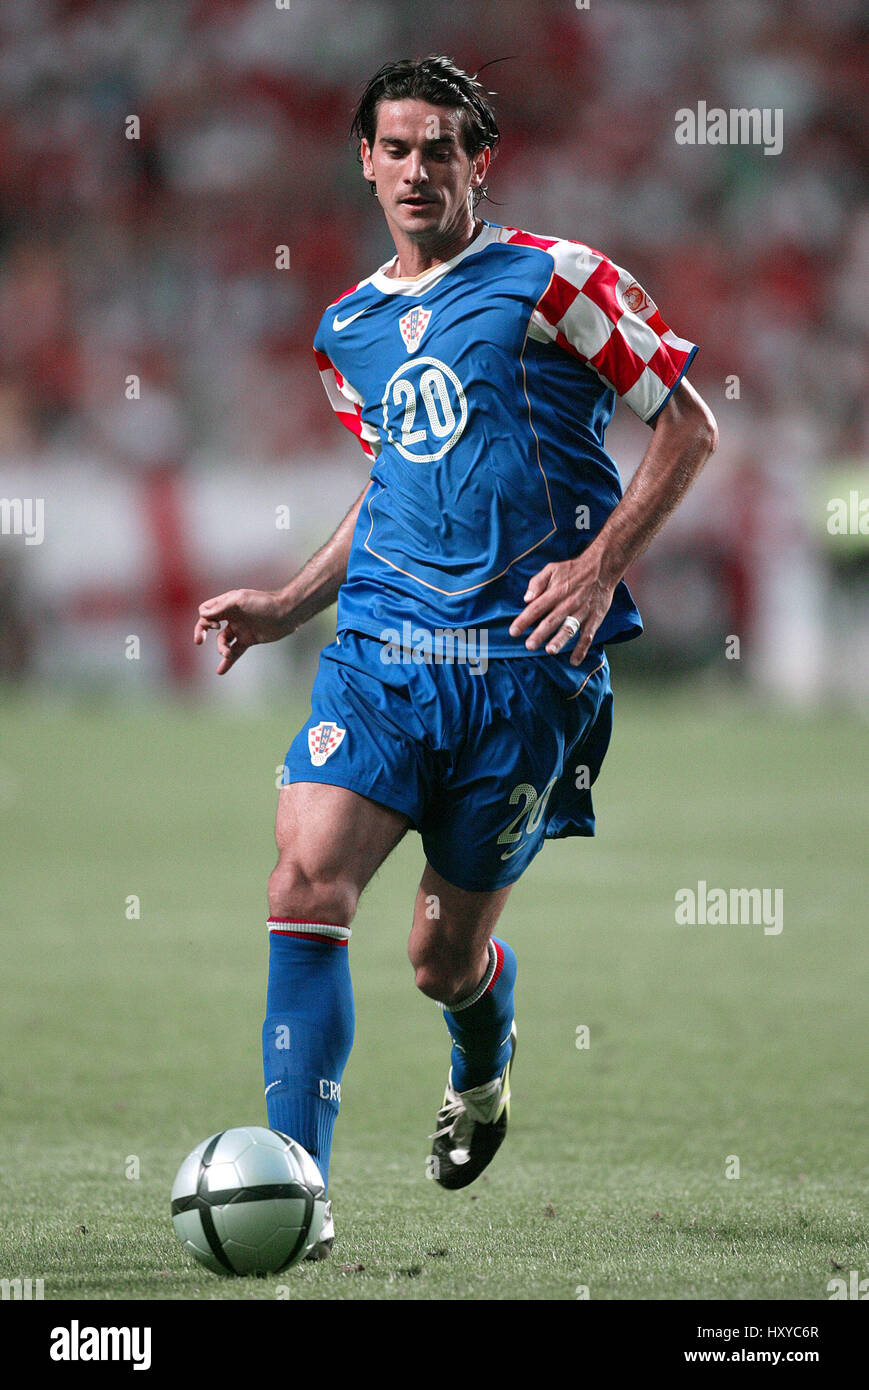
413,324
635,298
323,739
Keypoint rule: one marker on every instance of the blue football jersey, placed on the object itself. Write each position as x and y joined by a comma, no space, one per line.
482,390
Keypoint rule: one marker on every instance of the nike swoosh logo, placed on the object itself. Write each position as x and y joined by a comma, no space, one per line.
338,324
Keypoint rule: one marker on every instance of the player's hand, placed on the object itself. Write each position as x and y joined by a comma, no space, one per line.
250,615
570,588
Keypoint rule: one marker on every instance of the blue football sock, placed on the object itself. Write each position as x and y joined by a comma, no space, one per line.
308,1032
480,1025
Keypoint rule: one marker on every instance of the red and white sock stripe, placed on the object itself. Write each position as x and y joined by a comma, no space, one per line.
493,970
327,933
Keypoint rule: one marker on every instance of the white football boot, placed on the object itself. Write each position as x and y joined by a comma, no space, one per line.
322,1247
470,1128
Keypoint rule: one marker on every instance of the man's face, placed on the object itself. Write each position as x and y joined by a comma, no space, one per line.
421,170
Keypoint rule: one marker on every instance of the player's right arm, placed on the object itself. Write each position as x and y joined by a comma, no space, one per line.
252,616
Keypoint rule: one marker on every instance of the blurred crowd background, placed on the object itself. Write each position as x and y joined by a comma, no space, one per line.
155,257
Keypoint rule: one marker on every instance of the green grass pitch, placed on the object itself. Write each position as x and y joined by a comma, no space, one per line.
125,1042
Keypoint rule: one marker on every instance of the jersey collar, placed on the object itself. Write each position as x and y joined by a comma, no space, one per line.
415,285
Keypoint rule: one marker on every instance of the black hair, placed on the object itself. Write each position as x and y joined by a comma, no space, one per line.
440,82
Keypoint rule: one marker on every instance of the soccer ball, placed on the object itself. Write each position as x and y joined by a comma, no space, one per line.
248,1201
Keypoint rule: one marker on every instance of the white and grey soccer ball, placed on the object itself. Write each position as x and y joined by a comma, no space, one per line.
248,1201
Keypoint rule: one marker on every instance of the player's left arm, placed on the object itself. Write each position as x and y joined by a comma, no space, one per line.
685,434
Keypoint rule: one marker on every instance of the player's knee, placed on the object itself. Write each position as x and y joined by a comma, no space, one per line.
298,895
440,978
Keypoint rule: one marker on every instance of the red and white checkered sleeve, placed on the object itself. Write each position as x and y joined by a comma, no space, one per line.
347,404
600,314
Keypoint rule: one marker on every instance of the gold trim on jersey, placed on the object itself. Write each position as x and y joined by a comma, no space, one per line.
585,682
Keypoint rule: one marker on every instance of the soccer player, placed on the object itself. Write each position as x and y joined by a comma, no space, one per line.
478,578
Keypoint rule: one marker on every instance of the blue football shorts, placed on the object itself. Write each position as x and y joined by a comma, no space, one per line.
486,764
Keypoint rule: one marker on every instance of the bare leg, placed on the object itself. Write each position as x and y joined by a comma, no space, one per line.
458,964
330,843
449,939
